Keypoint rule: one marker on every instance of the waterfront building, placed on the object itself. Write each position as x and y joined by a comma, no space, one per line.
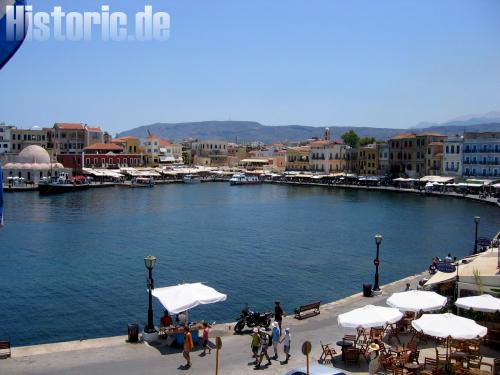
352,159
170,152
130,145
33,163
327,156
5,138
383,159
22,138
72,138
297,158
453,156
434,159
213,153
408,153
152,150
368,160
481,154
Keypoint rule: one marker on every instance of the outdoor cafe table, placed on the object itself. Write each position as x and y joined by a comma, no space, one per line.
178,332
344,344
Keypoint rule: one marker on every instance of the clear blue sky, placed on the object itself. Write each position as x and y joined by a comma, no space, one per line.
311,62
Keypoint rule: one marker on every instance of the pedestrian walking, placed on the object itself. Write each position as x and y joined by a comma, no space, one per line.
206,331
188,346
264,344
286,340
255,344
276,335
278,313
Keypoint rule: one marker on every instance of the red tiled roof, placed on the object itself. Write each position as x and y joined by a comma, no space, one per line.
125,138
432,134
164,143
97,129
69,126
104,146
404,136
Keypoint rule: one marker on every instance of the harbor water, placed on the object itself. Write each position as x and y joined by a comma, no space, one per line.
72,265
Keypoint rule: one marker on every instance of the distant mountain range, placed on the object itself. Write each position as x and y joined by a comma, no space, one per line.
487,118
249,131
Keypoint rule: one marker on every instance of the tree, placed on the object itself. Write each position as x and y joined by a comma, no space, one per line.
363,141
350,138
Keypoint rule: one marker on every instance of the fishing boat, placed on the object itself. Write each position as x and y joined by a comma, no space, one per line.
191,179
140,182
62,183
243,179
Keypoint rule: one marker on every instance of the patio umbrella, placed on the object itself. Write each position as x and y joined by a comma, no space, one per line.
484,302
449,325
417,300
369,316
183,297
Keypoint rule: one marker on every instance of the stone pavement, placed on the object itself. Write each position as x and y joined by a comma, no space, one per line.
113,356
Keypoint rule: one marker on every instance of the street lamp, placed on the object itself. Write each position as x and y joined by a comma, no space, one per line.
149,262
376,262
477,219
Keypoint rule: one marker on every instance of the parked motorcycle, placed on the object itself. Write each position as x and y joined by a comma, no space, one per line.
252,319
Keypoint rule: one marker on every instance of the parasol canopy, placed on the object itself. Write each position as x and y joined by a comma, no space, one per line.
369,316
417,300
446,325
484,302
183,297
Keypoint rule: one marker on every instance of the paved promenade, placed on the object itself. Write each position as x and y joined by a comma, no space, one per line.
114,356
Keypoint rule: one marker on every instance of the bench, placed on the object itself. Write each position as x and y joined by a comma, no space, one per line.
311,309
5,349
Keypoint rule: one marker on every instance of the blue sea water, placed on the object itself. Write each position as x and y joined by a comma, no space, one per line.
71,265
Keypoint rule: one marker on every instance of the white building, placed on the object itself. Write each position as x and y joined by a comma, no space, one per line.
327,157
453,156
481,154
33,163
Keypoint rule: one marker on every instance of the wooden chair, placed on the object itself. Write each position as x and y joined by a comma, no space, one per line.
412,346
477,362
392,330
376,334
328,351
362,334
430,367
352,338
398,371
387,362
441,359
351,355
496,366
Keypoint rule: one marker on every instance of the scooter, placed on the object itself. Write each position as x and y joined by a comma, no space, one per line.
252,319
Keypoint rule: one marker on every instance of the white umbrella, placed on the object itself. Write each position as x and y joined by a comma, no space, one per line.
484,302
446,325
182,297
417,300
369,316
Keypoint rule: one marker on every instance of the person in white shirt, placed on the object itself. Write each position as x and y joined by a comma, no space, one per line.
286,340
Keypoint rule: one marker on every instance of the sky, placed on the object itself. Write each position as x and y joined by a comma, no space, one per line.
385,63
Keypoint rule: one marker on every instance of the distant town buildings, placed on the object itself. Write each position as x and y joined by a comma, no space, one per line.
78,145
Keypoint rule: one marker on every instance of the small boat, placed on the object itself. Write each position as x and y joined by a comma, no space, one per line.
62,183
140,182
243,179
191,179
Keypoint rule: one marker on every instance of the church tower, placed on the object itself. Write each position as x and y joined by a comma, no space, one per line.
328,135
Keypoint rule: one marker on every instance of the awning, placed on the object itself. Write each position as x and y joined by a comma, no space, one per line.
440,277
436,179
183,297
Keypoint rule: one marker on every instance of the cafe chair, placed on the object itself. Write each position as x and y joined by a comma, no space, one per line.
431,367
352,338
392,330
477,362
328,351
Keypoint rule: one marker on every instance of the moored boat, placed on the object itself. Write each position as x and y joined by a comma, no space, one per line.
191,179
243,179
140,182
62,183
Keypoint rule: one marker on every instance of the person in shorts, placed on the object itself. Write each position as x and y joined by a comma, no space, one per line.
264,344
255,343
188,346
286,340
206,331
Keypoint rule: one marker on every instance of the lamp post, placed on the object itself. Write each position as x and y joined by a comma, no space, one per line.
149,262
376,262
477,219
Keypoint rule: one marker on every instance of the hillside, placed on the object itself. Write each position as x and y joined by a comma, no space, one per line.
249,131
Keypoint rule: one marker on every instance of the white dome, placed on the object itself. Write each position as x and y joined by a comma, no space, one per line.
33,154
36,128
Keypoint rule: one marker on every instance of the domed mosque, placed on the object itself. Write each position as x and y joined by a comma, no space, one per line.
33,163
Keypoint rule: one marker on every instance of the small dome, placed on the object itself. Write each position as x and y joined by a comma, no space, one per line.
33,154
36,128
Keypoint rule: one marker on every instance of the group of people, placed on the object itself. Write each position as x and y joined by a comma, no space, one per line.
261,339
189,344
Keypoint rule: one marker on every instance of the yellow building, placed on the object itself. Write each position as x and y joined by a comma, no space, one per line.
297,158
131,145
328,157
368,160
